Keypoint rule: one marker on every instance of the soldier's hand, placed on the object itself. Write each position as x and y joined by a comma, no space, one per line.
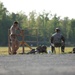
52,44
17,34
22,32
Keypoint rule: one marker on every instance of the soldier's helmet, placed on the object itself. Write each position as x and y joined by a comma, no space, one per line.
57,29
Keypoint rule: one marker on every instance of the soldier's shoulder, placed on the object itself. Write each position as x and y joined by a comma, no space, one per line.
54,34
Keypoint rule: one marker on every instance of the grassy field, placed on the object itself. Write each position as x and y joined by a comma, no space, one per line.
4,50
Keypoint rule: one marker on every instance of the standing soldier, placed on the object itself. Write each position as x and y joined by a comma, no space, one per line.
57,40
13,37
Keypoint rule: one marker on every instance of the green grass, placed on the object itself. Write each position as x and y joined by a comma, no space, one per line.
4,50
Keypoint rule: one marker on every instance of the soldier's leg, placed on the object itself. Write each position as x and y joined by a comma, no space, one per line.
62,48
17,45
13,38
53,49
13,48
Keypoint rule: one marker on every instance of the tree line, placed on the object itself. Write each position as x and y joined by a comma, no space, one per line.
45,24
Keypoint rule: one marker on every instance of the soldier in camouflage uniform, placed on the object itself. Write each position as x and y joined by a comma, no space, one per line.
57,40
13,37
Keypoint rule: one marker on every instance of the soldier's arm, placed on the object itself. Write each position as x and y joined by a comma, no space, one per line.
52,39
19,29
63,39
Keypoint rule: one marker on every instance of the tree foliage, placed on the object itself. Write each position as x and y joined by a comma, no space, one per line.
44,22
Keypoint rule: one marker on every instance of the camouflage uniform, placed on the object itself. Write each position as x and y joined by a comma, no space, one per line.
57,40
13,38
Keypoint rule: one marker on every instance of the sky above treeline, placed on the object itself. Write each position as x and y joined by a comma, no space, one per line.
63,8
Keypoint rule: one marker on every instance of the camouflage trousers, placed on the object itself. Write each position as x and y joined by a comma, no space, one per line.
14,44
